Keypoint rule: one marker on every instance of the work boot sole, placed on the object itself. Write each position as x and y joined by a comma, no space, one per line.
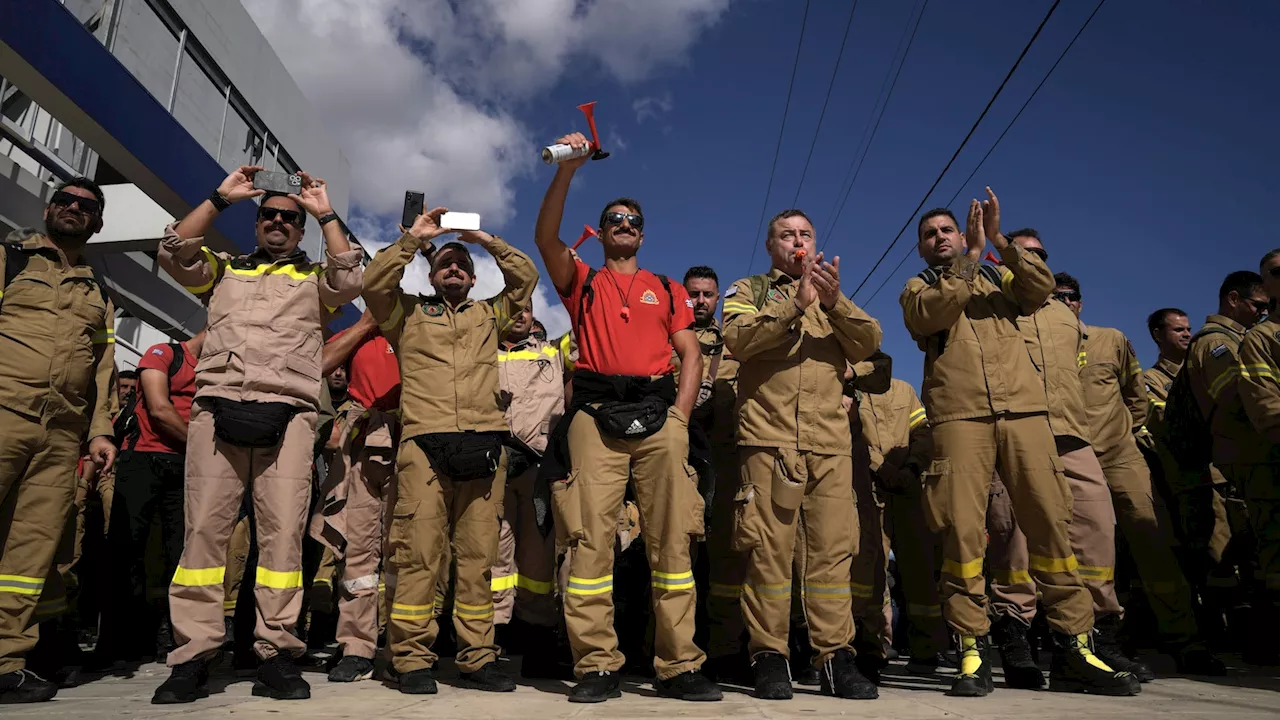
969,687
595,698
14,697
171,698
261,689
368,674
509,686
774,691
713,695
1077,686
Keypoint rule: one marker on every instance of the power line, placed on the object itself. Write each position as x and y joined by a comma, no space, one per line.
831,84
864,145
804,19
996,144
964,142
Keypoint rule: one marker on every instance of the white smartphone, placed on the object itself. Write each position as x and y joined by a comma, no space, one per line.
460,221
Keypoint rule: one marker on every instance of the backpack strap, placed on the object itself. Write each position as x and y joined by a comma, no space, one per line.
671,297
759,289
179,357
15,262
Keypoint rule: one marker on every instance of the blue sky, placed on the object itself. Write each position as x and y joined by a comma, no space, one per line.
1146,161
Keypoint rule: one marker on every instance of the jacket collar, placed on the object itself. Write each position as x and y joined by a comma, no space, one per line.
1168,367
1226,322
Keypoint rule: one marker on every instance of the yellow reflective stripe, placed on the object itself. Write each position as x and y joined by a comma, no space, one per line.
215,267
543,354
228,604
1220,382
566,349
1096,572
737,307
271,269
105,336
590,586
199,577
1006,282
412,612
21,584
537,587
1157,403
397,314
962,570
772,590
722,590
924,610
858,590
1258,371
1135,368
918,417
478,612
1082,359
672,581
1053,565
502,582
1010,577
279,580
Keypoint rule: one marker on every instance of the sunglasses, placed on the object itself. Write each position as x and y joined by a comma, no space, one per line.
64,199
1259,306
616,218
1067,296
292,217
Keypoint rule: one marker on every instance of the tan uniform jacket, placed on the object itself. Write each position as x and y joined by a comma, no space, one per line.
1214,363
895,428
976,362
531,389
791,377
718,412
265,318
448,356
1260,381
1158,380
57,341
1055,341
1113,392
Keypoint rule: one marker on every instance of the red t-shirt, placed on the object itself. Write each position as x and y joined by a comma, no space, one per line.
373,373
182,389
639,345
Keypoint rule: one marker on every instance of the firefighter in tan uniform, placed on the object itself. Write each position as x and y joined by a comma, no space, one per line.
451,468
253,423
531,378
1117,410
988,410
794,333
57,343
1259,388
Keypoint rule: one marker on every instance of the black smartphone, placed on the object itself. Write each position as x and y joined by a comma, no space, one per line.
277,182
412,208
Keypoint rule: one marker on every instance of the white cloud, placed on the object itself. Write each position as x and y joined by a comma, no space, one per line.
652,106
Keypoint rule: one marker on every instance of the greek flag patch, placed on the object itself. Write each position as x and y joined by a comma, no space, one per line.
1219,351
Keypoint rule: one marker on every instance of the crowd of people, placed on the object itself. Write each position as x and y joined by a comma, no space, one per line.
752,500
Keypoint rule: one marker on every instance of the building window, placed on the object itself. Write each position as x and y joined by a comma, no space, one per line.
198,105
147,47
236,141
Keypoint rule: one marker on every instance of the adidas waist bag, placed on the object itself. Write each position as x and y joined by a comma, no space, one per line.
630,420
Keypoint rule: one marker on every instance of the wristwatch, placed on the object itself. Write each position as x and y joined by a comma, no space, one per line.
327,218
219,203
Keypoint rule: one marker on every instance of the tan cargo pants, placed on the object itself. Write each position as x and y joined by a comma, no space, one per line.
218,474
666,491
919,558
37,489
1022,449
237,558
1167,590
1093,539
524,576
870,567
820,489
430,513
727,567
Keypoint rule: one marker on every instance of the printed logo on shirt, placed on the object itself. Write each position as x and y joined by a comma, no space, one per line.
649,298
434,310
775,295
1219,351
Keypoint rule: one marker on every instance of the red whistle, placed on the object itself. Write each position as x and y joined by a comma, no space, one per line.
587,231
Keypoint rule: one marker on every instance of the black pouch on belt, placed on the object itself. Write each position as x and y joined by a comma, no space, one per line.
520,457
630,420
251,424
462,456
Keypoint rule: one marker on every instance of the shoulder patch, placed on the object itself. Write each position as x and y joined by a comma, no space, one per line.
433,309
1219,350
157,351
731,292
775,295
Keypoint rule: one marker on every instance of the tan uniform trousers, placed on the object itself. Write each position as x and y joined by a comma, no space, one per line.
237,558
1261,487
431,513
524,576
869,571
820,489
37,491
1167,591
217,476
727,567
1093,539
918,551
666,491
61,584
1021,448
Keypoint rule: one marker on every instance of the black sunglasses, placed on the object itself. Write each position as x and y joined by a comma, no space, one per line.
1258,305
293,217
616,218
64,199
1067,296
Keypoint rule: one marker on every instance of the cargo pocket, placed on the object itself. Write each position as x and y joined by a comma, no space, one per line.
788,486
696,505
406,549
566,503
936,495
746,533
1060,475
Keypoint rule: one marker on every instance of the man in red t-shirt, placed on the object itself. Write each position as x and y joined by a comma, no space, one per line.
360,486
633,422
149,477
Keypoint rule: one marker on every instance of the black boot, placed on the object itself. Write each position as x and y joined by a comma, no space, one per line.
773,677
488,678
732,669
596,687
418,682
1195,659
280,679
1106,645
692,686
351,668
974,677
187,683
24,686
1020,668
840,677
1075,668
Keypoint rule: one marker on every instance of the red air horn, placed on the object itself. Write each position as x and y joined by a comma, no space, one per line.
587,231
559,153
992,258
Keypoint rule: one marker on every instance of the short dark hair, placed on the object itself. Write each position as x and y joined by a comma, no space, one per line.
701,271
128,374
1242,282
788,213
1024,232
626,202
1156,320
1062,279
936,212
87,184
1267,258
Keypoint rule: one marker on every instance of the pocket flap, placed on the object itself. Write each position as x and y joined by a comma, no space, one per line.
216,361
302,366
745,494
406,509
